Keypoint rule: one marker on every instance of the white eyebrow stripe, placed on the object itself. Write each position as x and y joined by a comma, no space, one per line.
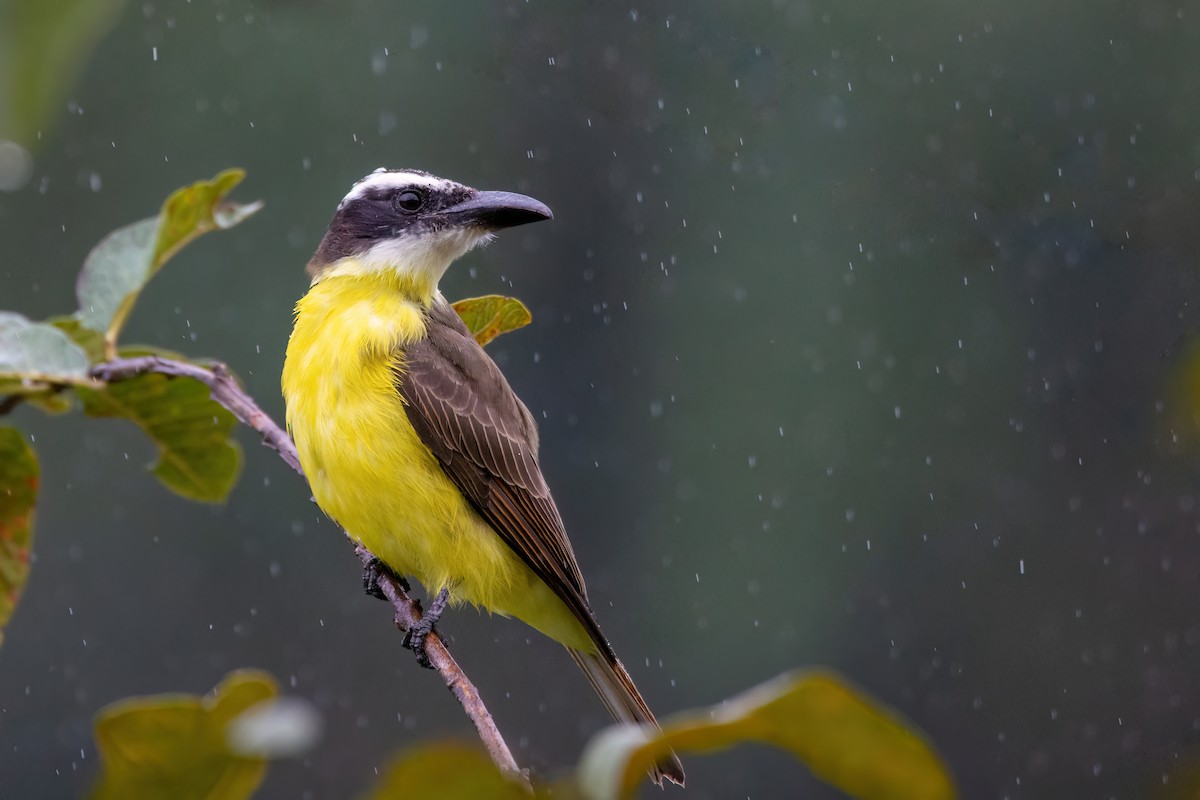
394,180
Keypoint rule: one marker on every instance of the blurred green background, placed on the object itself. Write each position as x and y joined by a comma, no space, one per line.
858,339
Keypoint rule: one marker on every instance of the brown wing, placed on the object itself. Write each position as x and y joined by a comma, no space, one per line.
466,413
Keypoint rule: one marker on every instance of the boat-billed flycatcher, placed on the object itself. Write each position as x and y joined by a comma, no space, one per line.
411,437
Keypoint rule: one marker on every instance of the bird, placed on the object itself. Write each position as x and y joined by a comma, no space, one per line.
413,440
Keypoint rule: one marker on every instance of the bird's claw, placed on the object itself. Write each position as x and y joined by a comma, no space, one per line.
416,636
373,570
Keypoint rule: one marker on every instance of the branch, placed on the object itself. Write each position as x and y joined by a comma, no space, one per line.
221,385
224,389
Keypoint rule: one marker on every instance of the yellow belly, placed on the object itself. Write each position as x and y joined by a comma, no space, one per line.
370,471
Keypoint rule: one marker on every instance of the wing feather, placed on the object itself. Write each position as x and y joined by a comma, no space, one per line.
466,413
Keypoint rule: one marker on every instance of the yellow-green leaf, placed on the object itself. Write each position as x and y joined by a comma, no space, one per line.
445,771
88,340
117,269
175,747
18,495
491,315
846,739
43,44
196,456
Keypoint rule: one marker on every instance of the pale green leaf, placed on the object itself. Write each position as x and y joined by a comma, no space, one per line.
285,727
18,495
845,737
491,315
114,272
445,771
36,360
196,456
39,353
175,747
117,269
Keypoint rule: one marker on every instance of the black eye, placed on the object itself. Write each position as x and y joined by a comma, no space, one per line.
409,201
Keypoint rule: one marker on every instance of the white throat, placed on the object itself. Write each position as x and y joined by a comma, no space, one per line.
422,258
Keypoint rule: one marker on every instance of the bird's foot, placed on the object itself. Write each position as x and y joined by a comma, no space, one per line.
373,571
415,638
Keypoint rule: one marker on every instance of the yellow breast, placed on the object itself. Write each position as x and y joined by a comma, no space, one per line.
368,468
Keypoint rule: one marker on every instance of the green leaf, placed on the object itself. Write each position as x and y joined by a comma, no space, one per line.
177,746
43,44
18,495
446,771
38,353
196,456
117,269
846,738
491,315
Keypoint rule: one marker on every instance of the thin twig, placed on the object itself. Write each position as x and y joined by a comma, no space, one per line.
408,614
225,390
10,402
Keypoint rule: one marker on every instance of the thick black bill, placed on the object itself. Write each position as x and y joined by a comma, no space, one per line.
495,210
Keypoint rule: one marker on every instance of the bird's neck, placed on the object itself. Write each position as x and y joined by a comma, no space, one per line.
417,283
361,315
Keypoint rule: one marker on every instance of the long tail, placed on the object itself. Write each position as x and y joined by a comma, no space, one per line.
625,703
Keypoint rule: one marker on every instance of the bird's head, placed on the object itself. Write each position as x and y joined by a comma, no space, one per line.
414,225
